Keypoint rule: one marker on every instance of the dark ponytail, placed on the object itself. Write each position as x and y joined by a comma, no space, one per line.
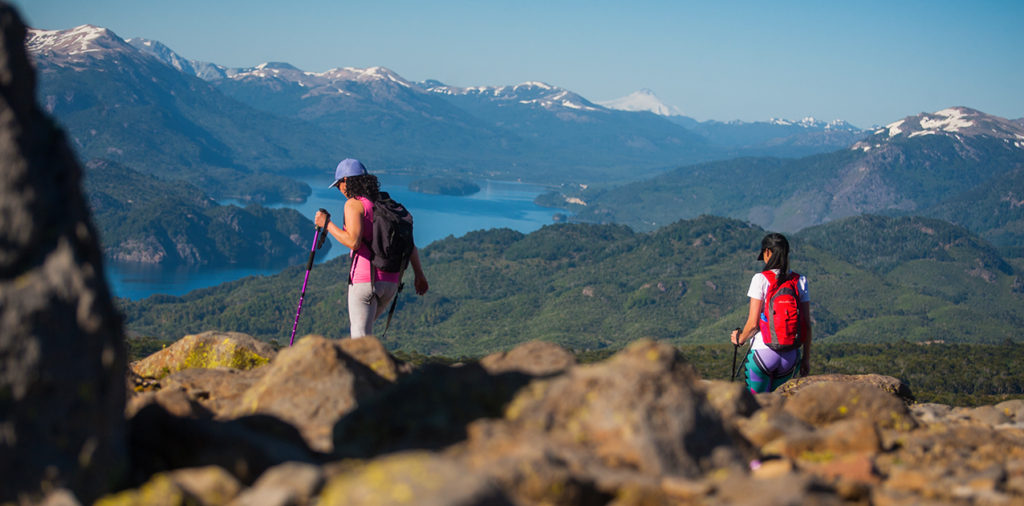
779,246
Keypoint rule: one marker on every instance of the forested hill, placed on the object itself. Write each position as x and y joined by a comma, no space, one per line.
143,219
872,279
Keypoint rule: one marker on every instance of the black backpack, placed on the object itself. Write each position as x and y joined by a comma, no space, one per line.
392,242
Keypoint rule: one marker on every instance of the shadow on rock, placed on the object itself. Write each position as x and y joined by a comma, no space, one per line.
428,409
245,447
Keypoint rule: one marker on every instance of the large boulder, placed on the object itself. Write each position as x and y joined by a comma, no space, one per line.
825,402
643,409
62,356
311,385
217,390
888,384
537,358
370,352
429,409
637,425
418,478
207,350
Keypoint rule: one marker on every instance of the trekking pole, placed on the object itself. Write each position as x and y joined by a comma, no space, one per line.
735,350
318,240
391,312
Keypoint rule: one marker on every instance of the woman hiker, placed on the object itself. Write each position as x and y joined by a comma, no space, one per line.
770,364
366,300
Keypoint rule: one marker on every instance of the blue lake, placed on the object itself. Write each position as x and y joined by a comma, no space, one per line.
498,205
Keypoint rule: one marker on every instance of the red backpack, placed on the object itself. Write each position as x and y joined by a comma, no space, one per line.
780,319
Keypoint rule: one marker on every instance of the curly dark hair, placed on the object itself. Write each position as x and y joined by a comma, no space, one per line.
365,185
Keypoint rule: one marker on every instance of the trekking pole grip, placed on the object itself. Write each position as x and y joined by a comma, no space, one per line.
323,230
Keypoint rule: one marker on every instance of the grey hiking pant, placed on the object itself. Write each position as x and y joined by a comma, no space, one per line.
365,304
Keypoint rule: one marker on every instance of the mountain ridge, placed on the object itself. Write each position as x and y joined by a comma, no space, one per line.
125,105
902,173
772,138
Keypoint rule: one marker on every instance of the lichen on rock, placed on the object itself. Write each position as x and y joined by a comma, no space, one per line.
207,350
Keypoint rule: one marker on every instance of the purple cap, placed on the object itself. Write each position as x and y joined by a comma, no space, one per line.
347,168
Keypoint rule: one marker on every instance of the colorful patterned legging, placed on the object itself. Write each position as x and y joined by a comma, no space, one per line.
768,370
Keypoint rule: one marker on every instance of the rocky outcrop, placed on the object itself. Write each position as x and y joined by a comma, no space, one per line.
537,358
207,350
62,357
886,383
530,426
311,385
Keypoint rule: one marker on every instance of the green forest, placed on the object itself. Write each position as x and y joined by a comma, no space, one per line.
135,211
872,279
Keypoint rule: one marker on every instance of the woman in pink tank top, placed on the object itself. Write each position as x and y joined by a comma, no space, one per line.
370,290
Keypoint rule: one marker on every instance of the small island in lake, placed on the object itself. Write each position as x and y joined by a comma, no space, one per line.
444,186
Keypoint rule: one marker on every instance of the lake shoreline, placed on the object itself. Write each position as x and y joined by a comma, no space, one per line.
498,204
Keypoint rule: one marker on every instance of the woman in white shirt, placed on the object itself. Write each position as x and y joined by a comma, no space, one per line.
769,365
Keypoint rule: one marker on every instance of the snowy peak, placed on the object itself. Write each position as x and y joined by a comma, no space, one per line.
82,42
811,123
956,122
642,101
367,75
269,70
332,82
162,53
530,93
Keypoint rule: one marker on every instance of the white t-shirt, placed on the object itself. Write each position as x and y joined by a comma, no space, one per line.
759,289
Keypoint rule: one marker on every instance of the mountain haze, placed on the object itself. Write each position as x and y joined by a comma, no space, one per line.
530,131
776,137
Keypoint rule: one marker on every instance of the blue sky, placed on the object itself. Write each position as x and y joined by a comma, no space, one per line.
868,62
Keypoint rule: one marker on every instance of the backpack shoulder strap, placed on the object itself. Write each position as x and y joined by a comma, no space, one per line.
772,283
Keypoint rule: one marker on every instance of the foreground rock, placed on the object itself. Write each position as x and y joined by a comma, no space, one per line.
627,424
225,376
61,345
206,351
311,385
529,426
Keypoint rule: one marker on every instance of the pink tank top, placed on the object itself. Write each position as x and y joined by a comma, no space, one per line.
361,267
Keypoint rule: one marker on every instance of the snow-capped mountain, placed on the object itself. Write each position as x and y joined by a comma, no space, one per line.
559,121
376,110
810,122
642,101
81,45
529,93
957,123
287,73
513,112
163,53
127,106
956,164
